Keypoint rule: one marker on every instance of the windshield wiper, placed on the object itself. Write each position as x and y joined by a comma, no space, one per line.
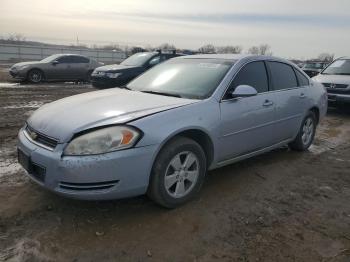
160,93
125,87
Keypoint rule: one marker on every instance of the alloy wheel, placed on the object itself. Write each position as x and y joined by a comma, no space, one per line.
181,174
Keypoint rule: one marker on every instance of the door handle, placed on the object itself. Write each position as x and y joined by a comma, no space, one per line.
268,103
302,95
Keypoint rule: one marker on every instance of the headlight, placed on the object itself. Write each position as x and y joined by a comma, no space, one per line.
113,75
103,141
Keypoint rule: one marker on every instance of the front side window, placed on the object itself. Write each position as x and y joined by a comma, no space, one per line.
80,59
188,78
338,67
253,74
283,76
65,59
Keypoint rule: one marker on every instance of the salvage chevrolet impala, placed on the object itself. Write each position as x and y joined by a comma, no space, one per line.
162,132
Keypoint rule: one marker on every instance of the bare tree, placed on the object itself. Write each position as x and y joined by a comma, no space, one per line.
16,37
229,49
207,49
326,57
166,46
263,49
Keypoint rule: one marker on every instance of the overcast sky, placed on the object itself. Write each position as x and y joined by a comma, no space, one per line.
293,28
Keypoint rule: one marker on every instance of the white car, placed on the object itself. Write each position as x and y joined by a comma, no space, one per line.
336,78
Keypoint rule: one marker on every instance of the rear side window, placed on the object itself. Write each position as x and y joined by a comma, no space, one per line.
303,81
253,74
283,76
65,59
80,59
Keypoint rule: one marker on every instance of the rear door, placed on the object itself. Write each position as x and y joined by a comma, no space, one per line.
61,70
290,88
247,124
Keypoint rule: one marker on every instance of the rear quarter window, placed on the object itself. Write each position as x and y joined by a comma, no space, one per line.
303,80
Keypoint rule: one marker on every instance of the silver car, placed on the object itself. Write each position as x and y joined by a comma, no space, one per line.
168,127
60,67
336,79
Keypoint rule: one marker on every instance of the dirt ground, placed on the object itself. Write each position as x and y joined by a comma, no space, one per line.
281,206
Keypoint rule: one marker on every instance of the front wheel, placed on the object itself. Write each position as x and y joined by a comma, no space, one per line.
306,133
178,173
35,76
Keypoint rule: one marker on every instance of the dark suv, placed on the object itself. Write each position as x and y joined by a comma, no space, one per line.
119,75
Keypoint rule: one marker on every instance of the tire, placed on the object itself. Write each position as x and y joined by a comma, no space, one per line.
306,133
35,76
172,182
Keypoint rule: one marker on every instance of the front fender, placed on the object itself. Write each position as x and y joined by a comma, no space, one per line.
159,128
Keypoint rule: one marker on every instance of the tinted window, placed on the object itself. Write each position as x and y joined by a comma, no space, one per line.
254,74
283,76
80,59
303,81
65,59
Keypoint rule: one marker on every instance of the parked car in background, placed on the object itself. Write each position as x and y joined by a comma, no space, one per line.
118,75
313,68
161,133
59,67
336,79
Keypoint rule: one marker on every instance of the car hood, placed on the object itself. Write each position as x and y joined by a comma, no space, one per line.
25,63
65,117
114,68
333,79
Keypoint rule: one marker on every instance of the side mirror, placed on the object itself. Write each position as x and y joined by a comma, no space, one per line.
244,91
55,62
154,61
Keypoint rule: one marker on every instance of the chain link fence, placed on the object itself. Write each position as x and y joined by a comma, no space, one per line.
15,53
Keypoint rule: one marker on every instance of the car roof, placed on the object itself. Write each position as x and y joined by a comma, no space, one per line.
235,57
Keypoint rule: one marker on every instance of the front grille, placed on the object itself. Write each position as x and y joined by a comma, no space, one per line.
330,85
41,139
88,186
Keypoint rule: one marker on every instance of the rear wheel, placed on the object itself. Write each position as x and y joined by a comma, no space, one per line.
35,76
306,133
178,173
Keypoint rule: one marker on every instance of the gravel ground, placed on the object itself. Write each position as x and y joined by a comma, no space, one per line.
280,206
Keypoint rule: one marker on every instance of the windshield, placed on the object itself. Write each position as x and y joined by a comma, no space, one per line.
314,65
338,67
50,58
188,78
137,59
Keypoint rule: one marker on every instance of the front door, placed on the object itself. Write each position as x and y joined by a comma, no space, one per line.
247,123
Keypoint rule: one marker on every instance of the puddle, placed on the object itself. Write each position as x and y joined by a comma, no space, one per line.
33,104
9,85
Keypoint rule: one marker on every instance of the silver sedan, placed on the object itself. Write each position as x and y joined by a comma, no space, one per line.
162,132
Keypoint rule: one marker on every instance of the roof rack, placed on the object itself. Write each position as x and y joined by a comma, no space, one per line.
171,51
